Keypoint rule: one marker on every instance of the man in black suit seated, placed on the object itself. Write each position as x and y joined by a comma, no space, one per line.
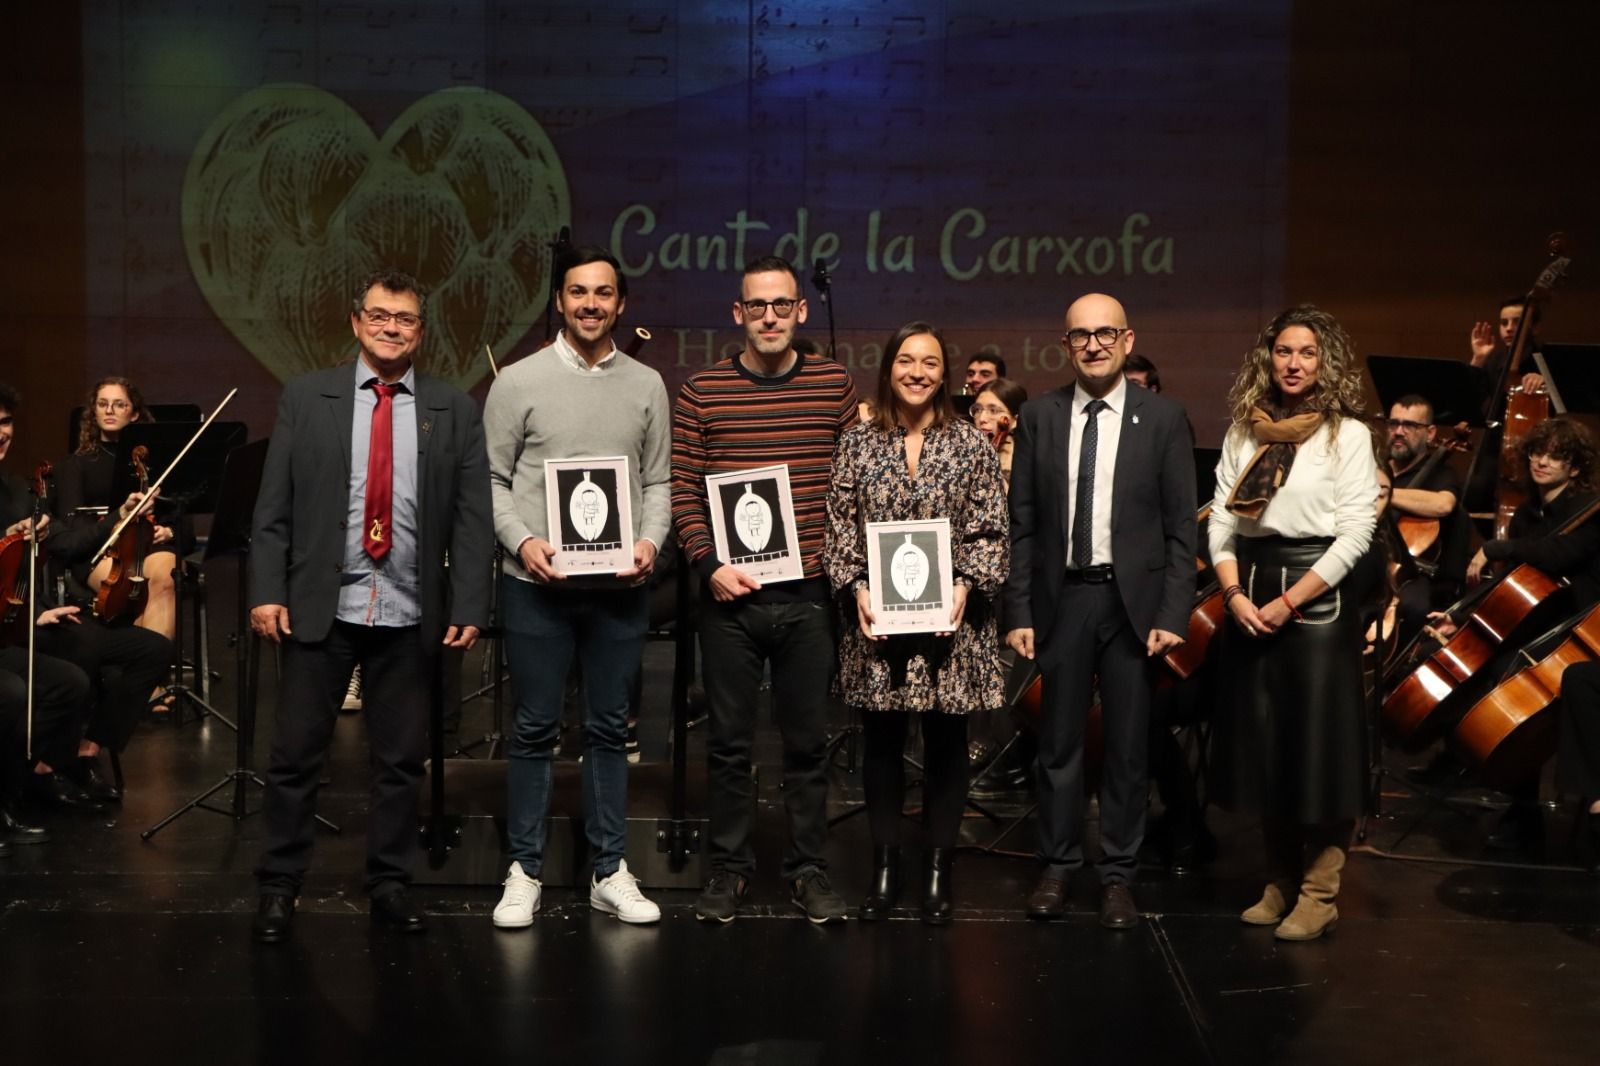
1102,581
375,473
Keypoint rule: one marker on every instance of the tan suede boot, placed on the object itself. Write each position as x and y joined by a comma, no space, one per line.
1314,912
1272,906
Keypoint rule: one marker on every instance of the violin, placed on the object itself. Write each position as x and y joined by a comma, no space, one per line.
19,559
124,591
1502,614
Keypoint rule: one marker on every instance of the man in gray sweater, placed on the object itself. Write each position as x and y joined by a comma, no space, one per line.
578,397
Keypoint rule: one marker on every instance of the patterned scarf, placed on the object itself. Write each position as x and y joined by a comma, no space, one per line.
1280,435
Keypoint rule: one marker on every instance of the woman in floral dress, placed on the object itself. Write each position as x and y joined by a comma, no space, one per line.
917,460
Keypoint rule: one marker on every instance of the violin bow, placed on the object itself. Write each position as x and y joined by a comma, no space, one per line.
145,504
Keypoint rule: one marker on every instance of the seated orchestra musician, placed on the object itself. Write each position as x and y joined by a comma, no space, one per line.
1292,517
123,663
83,484
1558,463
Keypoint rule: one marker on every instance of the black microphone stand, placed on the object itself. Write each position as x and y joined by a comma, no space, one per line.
824,287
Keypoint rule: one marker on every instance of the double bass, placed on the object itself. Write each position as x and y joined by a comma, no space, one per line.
1524,409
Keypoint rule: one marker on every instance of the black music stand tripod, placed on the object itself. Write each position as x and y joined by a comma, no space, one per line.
230,535
192,487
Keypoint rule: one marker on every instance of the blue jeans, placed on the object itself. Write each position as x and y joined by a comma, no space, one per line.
544,628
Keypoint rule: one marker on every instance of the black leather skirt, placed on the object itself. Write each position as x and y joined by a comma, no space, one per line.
1291,738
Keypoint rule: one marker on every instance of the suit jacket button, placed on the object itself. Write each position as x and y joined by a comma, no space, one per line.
344,523
339,567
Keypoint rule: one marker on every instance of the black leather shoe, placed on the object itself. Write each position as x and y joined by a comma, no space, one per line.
86,775
938,899
1117,909
1049,899
57,790
5,847
1521,828
16,831
399,912
885,885
274,919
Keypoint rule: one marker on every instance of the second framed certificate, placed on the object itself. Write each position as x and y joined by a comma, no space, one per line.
908,576
752,523
590,512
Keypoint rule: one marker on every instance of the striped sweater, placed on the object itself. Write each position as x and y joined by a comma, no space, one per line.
727,418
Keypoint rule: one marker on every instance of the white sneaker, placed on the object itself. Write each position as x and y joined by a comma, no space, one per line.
619,895
519,901
352,695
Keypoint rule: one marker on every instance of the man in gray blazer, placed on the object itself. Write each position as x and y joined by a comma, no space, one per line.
374,475
1101,585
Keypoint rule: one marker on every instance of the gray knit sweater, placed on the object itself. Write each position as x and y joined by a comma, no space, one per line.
543,408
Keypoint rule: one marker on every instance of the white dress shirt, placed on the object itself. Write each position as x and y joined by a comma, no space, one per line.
570,356
1109,424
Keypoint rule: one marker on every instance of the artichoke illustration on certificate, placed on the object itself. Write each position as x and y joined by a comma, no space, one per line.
752,523
908,576
590,513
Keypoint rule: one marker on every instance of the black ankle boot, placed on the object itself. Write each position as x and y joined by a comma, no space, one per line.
885,885
938,900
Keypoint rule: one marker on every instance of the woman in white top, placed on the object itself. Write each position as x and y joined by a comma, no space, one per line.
1293,514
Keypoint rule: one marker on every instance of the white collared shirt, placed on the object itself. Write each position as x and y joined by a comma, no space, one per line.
1109,424
570,356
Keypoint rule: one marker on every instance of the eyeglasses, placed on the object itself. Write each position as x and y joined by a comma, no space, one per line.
994,409
1078,339
378,317
112,405
758,308
1406,424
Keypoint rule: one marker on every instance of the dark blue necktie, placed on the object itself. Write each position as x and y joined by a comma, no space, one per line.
1083,508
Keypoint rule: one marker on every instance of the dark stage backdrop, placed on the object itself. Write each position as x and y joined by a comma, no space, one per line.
208,180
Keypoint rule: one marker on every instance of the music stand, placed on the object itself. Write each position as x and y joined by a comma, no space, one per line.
1451,387
1573,374
230,535
192,488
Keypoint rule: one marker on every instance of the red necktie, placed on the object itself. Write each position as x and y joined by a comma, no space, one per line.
380,473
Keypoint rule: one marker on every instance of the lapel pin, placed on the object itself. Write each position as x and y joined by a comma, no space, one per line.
427,426
1136,420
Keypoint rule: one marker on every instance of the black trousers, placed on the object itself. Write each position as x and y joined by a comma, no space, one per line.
60,705
736,640
1578,758
944,773
1092,636
397,678
124,662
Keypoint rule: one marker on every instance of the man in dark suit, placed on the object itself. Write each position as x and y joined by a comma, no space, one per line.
374,475
1102,582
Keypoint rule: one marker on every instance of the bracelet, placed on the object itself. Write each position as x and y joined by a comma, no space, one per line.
1229,592
1293,611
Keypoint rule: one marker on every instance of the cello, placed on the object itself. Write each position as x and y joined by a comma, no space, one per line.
1502,613
1511,731
123,591
1421,535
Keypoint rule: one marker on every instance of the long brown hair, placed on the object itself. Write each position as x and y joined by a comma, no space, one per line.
1338,391
89,431
886,406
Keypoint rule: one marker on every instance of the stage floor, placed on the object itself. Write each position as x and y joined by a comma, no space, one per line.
111,947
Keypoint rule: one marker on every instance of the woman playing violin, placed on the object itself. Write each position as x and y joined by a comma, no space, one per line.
995,411
84,481
1292,516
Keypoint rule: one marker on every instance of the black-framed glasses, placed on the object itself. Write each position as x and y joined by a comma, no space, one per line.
1078,339
377,316
783,308
1405,424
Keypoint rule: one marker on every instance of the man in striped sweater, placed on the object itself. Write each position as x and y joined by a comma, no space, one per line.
767,405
